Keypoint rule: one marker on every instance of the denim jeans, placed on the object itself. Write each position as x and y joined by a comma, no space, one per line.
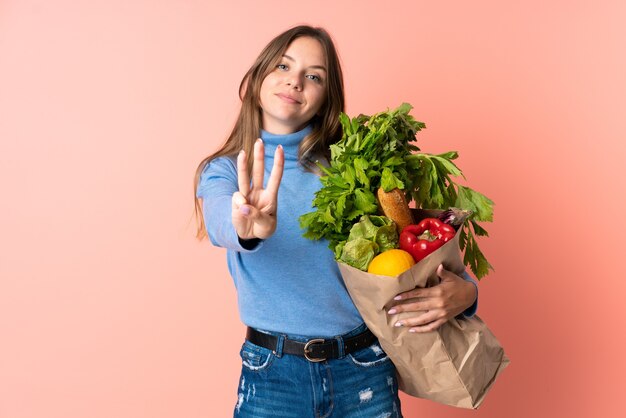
361,384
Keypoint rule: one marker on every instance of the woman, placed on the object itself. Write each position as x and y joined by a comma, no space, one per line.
307,352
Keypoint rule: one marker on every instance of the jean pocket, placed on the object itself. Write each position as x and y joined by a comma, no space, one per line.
373,355
254,357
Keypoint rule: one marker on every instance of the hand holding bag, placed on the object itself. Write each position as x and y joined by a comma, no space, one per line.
456,364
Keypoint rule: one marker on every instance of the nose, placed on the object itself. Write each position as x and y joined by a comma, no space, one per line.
295,82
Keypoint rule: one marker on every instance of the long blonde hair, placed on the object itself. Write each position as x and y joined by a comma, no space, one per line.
326,126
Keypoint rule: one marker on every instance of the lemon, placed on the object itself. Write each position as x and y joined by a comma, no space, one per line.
391,263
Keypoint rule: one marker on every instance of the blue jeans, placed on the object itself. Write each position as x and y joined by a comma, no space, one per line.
361,384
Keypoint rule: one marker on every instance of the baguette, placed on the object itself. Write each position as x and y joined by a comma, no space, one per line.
393,204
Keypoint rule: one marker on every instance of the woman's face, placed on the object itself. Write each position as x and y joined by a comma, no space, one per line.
295,89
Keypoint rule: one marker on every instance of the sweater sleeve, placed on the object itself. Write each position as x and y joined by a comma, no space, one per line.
217,184
469,312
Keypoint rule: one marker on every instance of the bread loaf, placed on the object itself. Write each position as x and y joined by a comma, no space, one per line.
393,205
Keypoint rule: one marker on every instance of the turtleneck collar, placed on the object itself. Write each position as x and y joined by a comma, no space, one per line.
290,143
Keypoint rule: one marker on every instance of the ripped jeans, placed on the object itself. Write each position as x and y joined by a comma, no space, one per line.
362,384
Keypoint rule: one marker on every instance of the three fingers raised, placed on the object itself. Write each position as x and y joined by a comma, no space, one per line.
258,170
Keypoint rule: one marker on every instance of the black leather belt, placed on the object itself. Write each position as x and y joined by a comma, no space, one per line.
316,349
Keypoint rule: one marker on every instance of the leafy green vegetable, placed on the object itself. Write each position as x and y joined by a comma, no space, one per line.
359,253
372,151
379,151
368,237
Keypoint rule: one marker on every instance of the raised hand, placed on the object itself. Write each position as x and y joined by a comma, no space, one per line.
254,208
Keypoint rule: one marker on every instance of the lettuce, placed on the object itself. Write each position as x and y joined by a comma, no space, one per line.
368,237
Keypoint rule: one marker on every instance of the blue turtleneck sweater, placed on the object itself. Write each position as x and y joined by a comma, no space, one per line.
286,283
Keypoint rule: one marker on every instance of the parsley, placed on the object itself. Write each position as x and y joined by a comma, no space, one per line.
379,151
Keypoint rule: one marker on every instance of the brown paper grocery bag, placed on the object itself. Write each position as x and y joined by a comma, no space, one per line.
457,363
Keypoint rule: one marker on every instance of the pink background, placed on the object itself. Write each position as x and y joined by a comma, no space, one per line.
110,308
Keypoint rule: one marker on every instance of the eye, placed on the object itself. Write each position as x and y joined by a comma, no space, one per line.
315,78
281,66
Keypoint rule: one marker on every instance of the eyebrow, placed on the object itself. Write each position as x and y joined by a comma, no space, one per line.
319,67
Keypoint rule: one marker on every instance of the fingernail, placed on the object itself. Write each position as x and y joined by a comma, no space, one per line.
397,298
412,330
245,210
398,324
392,311
280,146
259,140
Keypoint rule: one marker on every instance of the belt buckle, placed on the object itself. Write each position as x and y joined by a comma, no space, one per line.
306,350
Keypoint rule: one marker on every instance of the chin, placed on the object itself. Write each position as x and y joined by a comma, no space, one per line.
286,120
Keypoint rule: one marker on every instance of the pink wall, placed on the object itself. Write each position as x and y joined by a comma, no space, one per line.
110,308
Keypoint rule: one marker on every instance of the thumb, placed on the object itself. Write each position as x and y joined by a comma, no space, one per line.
255,215
442,272
263,226
250,212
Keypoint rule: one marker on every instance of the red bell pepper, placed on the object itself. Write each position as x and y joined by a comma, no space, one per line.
425,237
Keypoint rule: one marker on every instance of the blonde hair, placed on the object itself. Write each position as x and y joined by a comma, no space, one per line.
326,128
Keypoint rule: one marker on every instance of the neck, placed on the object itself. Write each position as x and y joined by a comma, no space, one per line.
290,142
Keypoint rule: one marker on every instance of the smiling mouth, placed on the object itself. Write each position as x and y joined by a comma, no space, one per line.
288,99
